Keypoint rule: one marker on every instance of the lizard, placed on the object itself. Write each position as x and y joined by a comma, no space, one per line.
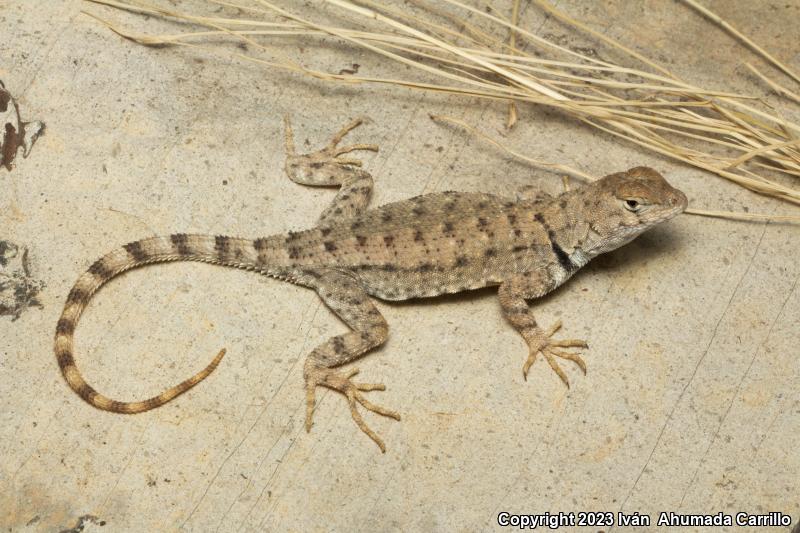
425,246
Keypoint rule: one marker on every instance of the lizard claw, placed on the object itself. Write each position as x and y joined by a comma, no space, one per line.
325,166
551,349
317,375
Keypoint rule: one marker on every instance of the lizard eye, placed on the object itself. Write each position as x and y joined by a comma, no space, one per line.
632,205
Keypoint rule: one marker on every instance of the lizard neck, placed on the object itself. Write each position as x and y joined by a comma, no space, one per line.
587,231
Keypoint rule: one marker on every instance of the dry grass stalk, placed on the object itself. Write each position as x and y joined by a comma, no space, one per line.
742,37
712,130
780,89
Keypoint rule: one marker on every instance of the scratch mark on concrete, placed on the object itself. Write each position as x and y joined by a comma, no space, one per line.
249,431
526,471
249,481
45,432
60,33
280,461
736,394
768,430
127,464
694,373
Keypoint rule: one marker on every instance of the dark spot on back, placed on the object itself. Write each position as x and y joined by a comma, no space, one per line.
362,240
329,246
418,236
461,261
388,240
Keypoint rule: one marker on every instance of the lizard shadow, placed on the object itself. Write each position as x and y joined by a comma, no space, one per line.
659,241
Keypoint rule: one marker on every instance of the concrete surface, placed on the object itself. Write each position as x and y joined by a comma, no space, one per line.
691,402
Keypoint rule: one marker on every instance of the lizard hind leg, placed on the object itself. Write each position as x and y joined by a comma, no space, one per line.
345,297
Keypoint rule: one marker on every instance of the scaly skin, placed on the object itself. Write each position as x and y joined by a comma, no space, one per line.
422,247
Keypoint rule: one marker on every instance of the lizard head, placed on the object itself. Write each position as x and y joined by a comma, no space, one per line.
629,203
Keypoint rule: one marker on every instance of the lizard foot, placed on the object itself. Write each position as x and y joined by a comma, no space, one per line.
550,349
325,166
318,375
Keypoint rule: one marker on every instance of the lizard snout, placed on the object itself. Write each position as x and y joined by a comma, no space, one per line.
683,202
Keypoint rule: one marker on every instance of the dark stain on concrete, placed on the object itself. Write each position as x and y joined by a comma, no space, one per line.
14,133
18,289
81,524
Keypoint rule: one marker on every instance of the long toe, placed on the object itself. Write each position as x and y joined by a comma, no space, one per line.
575,358
376,408
528,363
554,365
359,420
309,405
354,147
366,387
569,343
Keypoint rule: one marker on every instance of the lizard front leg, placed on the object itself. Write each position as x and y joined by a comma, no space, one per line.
326,168
512,294
345,297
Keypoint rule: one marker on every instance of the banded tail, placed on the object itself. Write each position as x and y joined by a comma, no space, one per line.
259,254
